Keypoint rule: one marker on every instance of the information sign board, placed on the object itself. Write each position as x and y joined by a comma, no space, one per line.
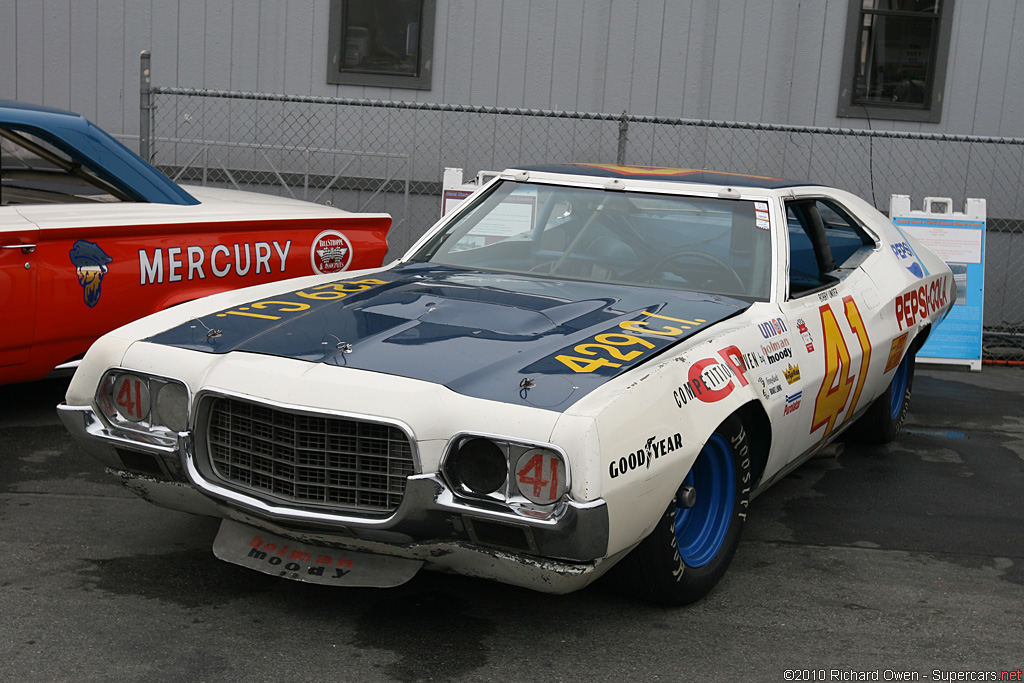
959,240
455,190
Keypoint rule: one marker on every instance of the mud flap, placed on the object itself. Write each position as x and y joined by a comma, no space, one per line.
270,554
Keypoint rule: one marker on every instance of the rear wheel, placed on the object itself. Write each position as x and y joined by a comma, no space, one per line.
884,419
693,544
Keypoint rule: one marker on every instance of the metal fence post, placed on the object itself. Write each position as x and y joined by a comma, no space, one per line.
145,105
620,157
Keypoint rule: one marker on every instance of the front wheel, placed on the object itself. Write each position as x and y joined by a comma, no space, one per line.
884,419
693,544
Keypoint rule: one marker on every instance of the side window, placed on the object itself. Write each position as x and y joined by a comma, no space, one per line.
32,171
845,235
823,240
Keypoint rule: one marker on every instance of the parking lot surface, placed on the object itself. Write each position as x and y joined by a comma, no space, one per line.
880,561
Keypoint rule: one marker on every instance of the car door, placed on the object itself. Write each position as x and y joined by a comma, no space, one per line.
821,345
18,282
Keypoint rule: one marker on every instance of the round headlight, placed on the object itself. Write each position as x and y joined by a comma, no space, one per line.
172,407
130,394
540,476
480,465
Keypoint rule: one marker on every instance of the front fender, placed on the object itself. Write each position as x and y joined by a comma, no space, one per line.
652,423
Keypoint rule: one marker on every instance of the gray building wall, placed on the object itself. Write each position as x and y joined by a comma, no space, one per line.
774,61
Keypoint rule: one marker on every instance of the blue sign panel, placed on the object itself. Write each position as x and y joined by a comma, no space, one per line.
959,240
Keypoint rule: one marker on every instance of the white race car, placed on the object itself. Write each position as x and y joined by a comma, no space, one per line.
582,368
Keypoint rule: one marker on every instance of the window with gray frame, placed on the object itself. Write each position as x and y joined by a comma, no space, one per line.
894,60
386,43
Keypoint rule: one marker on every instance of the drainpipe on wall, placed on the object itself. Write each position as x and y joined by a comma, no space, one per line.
620,157
145,105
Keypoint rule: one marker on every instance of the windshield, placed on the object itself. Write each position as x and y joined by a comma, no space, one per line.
698,244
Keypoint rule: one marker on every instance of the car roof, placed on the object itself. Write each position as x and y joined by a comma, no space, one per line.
661,174
92,147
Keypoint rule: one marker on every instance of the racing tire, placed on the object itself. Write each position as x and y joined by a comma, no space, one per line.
884,419
690,548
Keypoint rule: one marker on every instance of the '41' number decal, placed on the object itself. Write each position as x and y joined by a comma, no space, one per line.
541,477
131,397
840,379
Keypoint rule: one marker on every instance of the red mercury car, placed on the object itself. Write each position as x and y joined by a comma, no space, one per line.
93,237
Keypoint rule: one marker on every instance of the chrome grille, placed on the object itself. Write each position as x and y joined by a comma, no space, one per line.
319,460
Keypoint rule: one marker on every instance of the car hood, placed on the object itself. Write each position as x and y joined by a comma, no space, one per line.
489,335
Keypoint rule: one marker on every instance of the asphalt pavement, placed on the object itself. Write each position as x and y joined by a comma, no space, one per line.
880,563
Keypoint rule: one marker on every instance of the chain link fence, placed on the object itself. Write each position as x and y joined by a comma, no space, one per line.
379,156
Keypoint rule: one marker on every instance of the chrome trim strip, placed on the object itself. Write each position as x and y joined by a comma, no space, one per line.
498,511
92,426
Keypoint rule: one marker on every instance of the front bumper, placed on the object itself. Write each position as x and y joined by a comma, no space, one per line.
433,523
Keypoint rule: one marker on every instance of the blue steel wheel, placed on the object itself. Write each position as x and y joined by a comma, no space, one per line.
898,394
884,419
691,547
700,530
